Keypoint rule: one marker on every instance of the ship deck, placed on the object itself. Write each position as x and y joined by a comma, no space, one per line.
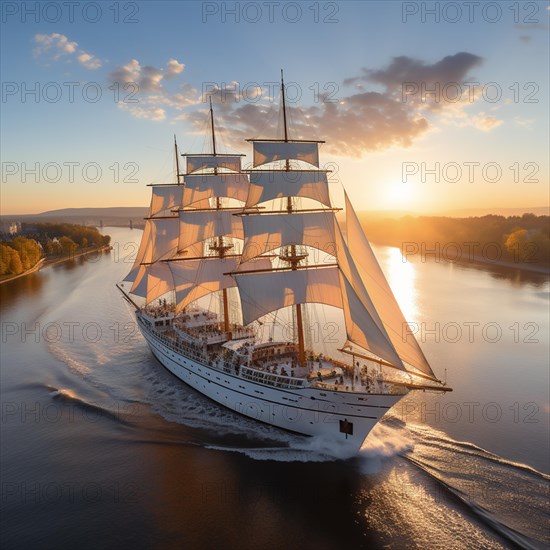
277,369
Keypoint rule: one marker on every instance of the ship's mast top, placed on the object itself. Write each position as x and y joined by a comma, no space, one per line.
177,160
287,164
212,126
284,104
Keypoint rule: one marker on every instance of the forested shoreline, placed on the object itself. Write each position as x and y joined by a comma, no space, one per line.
51,241
514,239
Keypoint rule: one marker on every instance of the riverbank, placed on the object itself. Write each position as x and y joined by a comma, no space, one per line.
43,262
469,260
533,268
34,268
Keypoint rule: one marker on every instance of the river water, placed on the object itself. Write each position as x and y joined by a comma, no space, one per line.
102,448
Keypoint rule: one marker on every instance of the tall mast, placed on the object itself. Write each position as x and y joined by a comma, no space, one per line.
287,164
177,160
284,105
220,247
212,126
291,256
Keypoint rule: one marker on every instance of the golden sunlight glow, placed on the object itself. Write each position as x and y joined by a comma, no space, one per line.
400,193
401,277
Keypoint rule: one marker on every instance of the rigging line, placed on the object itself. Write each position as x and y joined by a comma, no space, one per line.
221,133
203,136
268,113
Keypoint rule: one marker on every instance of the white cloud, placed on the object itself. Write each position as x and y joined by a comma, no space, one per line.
89,61
126,73
156,114
486,123
374,117
55,46
151,94
174,68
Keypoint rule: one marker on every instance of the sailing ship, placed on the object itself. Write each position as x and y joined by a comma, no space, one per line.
226,250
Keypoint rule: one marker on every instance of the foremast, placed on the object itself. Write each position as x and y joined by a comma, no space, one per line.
183,248
206,174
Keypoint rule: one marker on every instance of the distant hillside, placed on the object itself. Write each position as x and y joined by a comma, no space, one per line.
121,215
114,212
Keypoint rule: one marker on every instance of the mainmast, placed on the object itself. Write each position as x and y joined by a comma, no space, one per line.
290,255
287,164
284,106
219,246
213,131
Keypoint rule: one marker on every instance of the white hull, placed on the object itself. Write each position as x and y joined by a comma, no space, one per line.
308,411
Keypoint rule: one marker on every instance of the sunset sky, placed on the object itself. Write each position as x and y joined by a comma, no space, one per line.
111,88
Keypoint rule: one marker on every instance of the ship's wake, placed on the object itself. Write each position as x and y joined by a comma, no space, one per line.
421,478
89,410
439,474
420,473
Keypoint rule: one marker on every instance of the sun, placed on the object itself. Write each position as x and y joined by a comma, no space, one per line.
400,193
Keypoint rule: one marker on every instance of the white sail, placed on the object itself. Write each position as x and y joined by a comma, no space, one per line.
362,329
262,293
203,162
268,232
190,255
269,151
164,239
159,281
139,284
197,226
159,242
381,295
153,281
165,198
266,185
200,187
144,245
194,279
347,266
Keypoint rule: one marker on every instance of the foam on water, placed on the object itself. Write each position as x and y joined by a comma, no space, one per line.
298,449
73,361
509,497
70,398
176,402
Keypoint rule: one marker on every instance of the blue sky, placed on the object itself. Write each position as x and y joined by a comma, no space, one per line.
361,53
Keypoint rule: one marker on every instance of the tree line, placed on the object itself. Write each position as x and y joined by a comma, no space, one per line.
49,240
518,239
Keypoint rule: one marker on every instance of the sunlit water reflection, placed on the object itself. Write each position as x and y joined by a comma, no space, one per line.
94,428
